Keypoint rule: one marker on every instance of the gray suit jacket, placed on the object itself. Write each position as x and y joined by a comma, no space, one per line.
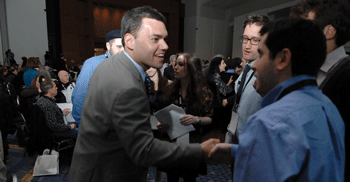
115,141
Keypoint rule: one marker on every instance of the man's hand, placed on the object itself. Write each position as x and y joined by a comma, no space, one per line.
220,153
162,127
208,145
72,126
66,111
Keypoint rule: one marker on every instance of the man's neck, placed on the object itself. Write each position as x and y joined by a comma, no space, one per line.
331,46
49,95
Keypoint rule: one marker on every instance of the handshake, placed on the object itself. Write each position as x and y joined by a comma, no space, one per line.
215,152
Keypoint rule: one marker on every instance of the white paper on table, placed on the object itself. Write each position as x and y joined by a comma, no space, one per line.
171,115
69,116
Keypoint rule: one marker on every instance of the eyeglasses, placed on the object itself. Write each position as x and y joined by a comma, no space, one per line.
253,41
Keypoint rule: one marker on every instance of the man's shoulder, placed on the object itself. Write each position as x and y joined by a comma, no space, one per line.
297,103
95,60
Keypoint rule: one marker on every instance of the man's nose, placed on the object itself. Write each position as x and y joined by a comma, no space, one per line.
248,45
164,46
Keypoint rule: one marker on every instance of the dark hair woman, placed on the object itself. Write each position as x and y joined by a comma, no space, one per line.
158,84
221,90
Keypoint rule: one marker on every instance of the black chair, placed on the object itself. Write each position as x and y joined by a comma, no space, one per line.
41,136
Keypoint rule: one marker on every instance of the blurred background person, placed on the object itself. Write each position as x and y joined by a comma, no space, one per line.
32,71
169,71
221,91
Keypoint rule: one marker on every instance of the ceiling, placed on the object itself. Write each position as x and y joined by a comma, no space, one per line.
222,4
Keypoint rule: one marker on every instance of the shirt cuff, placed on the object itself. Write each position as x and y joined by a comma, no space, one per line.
234,149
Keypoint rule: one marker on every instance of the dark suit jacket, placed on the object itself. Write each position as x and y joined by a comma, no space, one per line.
338,90
169,73
115,141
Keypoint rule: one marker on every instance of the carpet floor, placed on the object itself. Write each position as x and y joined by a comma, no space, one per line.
22,167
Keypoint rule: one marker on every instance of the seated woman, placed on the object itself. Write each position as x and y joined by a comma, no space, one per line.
32,71
190,92
53,114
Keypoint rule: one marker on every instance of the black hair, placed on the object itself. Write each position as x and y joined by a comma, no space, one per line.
196,61
233,63
303,38
45,85
327,12
132,20
214,66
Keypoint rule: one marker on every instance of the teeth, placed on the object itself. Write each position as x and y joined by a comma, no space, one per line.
160,55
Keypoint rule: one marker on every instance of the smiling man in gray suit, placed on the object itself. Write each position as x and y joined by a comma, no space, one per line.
115,141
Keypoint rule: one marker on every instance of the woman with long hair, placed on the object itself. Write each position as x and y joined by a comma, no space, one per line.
189,91
158,84
221,91
156,99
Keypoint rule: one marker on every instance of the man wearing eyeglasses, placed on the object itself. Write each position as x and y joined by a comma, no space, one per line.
247,100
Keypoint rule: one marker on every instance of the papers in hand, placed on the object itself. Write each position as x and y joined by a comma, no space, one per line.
69,117
171,115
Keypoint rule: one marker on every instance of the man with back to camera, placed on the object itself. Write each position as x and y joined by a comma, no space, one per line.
247,99
114,46
115,141
298,135
333,77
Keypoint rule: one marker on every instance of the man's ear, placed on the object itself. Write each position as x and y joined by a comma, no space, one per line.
330,32
129,41
283,59
108,46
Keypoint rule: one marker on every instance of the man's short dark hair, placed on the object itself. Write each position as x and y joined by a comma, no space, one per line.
303,38
45,85
233,63
132,20
327,12
260,20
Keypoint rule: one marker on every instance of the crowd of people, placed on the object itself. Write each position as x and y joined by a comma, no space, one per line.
279,113
22,87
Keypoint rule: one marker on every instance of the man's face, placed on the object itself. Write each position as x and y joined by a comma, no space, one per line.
150,45
265,70
64,78
250,52
180,68
114,46
53,90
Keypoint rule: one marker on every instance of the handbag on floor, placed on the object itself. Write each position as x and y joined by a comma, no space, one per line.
47,164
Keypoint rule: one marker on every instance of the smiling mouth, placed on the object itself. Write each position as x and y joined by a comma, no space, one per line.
160,55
